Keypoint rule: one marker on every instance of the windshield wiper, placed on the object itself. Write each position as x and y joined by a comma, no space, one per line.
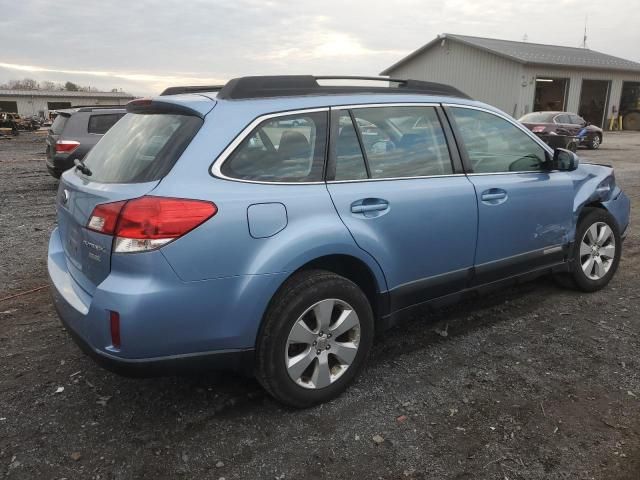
82,167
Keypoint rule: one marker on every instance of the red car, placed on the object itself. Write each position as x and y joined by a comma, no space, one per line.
563,123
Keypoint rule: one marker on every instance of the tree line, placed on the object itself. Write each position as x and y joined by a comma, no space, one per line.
31,84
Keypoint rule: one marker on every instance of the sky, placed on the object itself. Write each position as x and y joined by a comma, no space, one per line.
143,46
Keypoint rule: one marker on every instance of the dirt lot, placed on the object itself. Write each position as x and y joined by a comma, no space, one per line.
532,383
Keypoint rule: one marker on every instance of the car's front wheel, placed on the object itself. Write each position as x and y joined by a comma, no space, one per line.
597,250
595,142
316,337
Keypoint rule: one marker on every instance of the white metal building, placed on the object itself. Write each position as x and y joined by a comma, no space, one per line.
520,77
41,102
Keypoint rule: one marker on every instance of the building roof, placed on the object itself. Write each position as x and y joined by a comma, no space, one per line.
532,53
63,93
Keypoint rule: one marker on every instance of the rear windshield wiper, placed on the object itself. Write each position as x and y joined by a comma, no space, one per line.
82,167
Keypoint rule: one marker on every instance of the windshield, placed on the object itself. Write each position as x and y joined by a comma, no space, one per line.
140,147
538,117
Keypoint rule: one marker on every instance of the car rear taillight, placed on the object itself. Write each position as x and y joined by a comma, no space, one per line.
66,146
104,217
147,223
538,129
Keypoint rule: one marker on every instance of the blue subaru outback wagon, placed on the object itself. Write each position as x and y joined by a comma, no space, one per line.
272,225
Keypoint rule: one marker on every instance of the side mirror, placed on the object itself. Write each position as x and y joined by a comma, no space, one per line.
564,160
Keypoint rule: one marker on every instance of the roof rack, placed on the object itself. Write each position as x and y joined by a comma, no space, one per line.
191,89
297,85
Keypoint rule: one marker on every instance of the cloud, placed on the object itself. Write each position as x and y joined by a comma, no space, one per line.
328,45
146,45
157,82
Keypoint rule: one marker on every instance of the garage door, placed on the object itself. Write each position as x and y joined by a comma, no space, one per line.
9,107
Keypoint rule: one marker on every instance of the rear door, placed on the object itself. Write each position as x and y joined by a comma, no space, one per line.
127,163
525,210
393,182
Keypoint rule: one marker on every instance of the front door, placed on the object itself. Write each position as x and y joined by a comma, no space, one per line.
525,211
393,184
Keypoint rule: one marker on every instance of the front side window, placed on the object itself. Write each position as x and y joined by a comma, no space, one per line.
577,120
494,144
284,149
398,142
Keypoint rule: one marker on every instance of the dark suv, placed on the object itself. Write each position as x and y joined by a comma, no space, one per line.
75,131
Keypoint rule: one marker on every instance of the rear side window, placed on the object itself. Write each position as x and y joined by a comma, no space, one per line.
141,147
350,163
58,124
100,124
284,149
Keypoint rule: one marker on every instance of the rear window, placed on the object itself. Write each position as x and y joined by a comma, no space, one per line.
58,124
100,124
140,147
538,117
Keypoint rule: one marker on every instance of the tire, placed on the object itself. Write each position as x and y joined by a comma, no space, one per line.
284,338
594,142
602,262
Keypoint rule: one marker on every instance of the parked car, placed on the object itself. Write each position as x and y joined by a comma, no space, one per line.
9,121
564,123
75,131
202,231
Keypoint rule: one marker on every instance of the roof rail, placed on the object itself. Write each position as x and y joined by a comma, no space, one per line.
297,85
191,89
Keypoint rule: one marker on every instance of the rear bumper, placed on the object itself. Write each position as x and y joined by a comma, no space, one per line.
59,164
240,361
167,326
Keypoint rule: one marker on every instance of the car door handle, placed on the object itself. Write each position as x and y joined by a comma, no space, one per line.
376,207
494,196
369,205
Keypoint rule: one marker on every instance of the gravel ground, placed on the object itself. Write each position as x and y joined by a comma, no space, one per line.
534,382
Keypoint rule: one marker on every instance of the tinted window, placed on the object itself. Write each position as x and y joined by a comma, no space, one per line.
99,124
537,117
403,142
141,148
563,119
284,149
58,124
495,145
349,159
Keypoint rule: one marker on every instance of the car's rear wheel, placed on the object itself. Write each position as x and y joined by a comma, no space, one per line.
596,253
316,337
595,142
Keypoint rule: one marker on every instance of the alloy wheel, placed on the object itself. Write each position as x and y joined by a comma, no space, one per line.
322,344
597,250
